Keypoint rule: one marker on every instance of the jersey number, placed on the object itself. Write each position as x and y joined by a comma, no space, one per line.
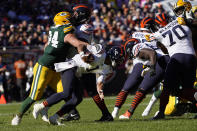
53,39
178,31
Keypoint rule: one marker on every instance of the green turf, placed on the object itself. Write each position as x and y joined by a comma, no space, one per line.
89,112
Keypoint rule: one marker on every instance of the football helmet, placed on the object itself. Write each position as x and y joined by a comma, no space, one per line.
62,18
81,14
162,19
194,9
148,24
116,54
181,6
128,46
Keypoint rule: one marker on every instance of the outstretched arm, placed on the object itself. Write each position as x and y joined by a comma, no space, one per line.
71,38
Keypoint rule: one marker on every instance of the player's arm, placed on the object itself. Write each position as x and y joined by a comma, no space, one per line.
71,38
149,54
99,87
162,47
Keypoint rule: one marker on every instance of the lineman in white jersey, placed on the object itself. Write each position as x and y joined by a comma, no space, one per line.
181,69
98,66
143,54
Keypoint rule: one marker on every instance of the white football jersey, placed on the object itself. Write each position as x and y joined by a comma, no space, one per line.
98,67
136,49
153,44
176,38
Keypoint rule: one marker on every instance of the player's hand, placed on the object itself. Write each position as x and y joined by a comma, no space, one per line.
88,58
101,94
147,69
149,38
100,90
181,20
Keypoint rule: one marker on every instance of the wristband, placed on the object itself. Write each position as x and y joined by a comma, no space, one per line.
81,53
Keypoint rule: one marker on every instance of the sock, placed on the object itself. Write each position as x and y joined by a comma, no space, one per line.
137,99
157,93
120,99
164,98
25,106
45,103
151,103
101,104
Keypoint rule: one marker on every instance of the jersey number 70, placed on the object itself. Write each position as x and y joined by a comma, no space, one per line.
177,31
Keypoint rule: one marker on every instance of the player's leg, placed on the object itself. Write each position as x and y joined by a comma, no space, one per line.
188,77
68,79
37,88
155,96
171,85
88,81
132,81
69,107
56,85
147,84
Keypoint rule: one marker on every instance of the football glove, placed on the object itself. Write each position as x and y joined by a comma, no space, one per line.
88,58
181,21
147,69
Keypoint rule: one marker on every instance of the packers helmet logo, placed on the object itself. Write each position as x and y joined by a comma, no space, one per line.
63,14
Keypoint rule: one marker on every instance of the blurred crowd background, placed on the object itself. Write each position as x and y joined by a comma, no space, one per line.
24,25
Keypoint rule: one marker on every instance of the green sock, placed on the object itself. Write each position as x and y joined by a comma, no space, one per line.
25,106
157,93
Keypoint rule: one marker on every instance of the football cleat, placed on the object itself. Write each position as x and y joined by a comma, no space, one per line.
54,120
71,116
126,115
37,109
44,114
16,120
107,117
158,115
115,112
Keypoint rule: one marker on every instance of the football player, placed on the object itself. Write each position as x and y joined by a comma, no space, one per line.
139,76
161,20
98,66
101,66
181,69
62,44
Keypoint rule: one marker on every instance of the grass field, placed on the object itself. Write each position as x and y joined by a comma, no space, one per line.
89,112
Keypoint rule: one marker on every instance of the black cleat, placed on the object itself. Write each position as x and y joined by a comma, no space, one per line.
73,115
158,115
105,118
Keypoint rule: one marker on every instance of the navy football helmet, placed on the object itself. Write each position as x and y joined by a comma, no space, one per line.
116,54
81,14
128,46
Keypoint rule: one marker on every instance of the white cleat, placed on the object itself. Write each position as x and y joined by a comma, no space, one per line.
123,117
37,109
54,120
16,120
44,114
115,112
